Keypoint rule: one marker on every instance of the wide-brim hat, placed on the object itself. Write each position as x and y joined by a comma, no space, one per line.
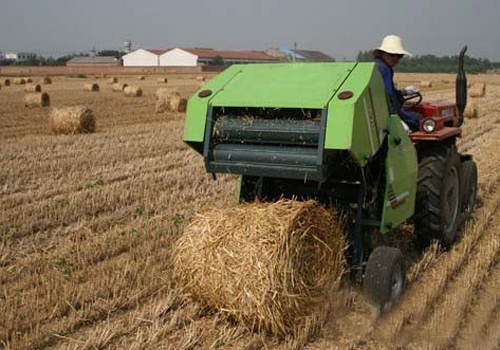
392,44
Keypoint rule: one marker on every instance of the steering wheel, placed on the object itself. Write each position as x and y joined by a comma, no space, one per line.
417,95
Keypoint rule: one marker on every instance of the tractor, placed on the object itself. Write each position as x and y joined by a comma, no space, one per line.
324,131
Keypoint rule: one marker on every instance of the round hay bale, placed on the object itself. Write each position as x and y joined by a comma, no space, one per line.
266,265
163,80
32,88
425,84
29,81
141,77
477,90
46,80
119,87
161,93
164,97
133,91
19,81
178,104
6,82
471,111
72,120
200,78
37,100
113,80
92,87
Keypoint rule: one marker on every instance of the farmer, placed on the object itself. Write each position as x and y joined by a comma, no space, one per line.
386,57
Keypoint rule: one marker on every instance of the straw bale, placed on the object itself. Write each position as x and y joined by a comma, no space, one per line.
477,90
162,80
164,98
426,84
72,120
37,100
19,81
141,77
32,88
29,81
92,87
119,87
265,265
133,91
113,80
200,78
160,93
471,111
6,82
46,80
177,104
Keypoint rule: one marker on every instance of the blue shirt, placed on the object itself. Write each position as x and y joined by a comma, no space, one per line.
388,76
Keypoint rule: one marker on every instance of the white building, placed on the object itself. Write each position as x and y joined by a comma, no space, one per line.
19,56
192,57
178,58
143,58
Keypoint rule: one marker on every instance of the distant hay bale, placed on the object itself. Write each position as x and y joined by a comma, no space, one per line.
477,90
72,120
37,100
266,265
141,77
119,87
471,111
29,81
6,82
46,80
92,87
113,80
425,84
19,81
200,78
133,91
32,88
163,80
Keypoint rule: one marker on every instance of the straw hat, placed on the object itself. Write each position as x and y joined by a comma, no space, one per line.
392,44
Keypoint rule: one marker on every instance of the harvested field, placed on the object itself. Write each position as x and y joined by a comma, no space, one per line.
88,225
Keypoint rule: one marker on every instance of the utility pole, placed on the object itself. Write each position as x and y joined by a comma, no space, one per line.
294,51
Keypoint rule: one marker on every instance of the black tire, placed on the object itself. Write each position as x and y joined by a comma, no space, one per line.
385,277
469,187
438,202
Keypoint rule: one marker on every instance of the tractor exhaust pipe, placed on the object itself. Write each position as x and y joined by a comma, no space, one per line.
461,86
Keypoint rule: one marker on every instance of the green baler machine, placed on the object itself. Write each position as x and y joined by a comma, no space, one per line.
315,130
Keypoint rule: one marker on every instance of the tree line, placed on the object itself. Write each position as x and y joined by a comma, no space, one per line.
435,64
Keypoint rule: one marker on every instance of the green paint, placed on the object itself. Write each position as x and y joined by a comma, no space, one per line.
401,174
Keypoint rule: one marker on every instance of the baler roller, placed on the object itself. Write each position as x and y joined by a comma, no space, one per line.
271,131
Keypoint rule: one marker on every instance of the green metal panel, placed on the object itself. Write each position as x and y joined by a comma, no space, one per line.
289,85
196,114
357,123
401,167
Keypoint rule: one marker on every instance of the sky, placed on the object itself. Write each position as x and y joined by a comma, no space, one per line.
340,28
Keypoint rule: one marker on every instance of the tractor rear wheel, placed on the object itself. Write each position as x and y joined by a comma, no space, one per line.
469,187
437,207
385,277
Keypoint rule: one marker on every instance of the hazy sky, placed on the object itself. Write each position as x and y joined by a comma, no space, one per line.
340,28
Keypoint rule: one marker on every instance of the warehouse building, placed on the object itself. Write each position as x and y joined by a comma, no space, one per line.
20,56
93,61
192,57
287,55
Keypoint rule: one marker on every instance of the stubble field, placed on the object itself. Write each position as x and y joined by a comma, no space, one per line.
87,223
